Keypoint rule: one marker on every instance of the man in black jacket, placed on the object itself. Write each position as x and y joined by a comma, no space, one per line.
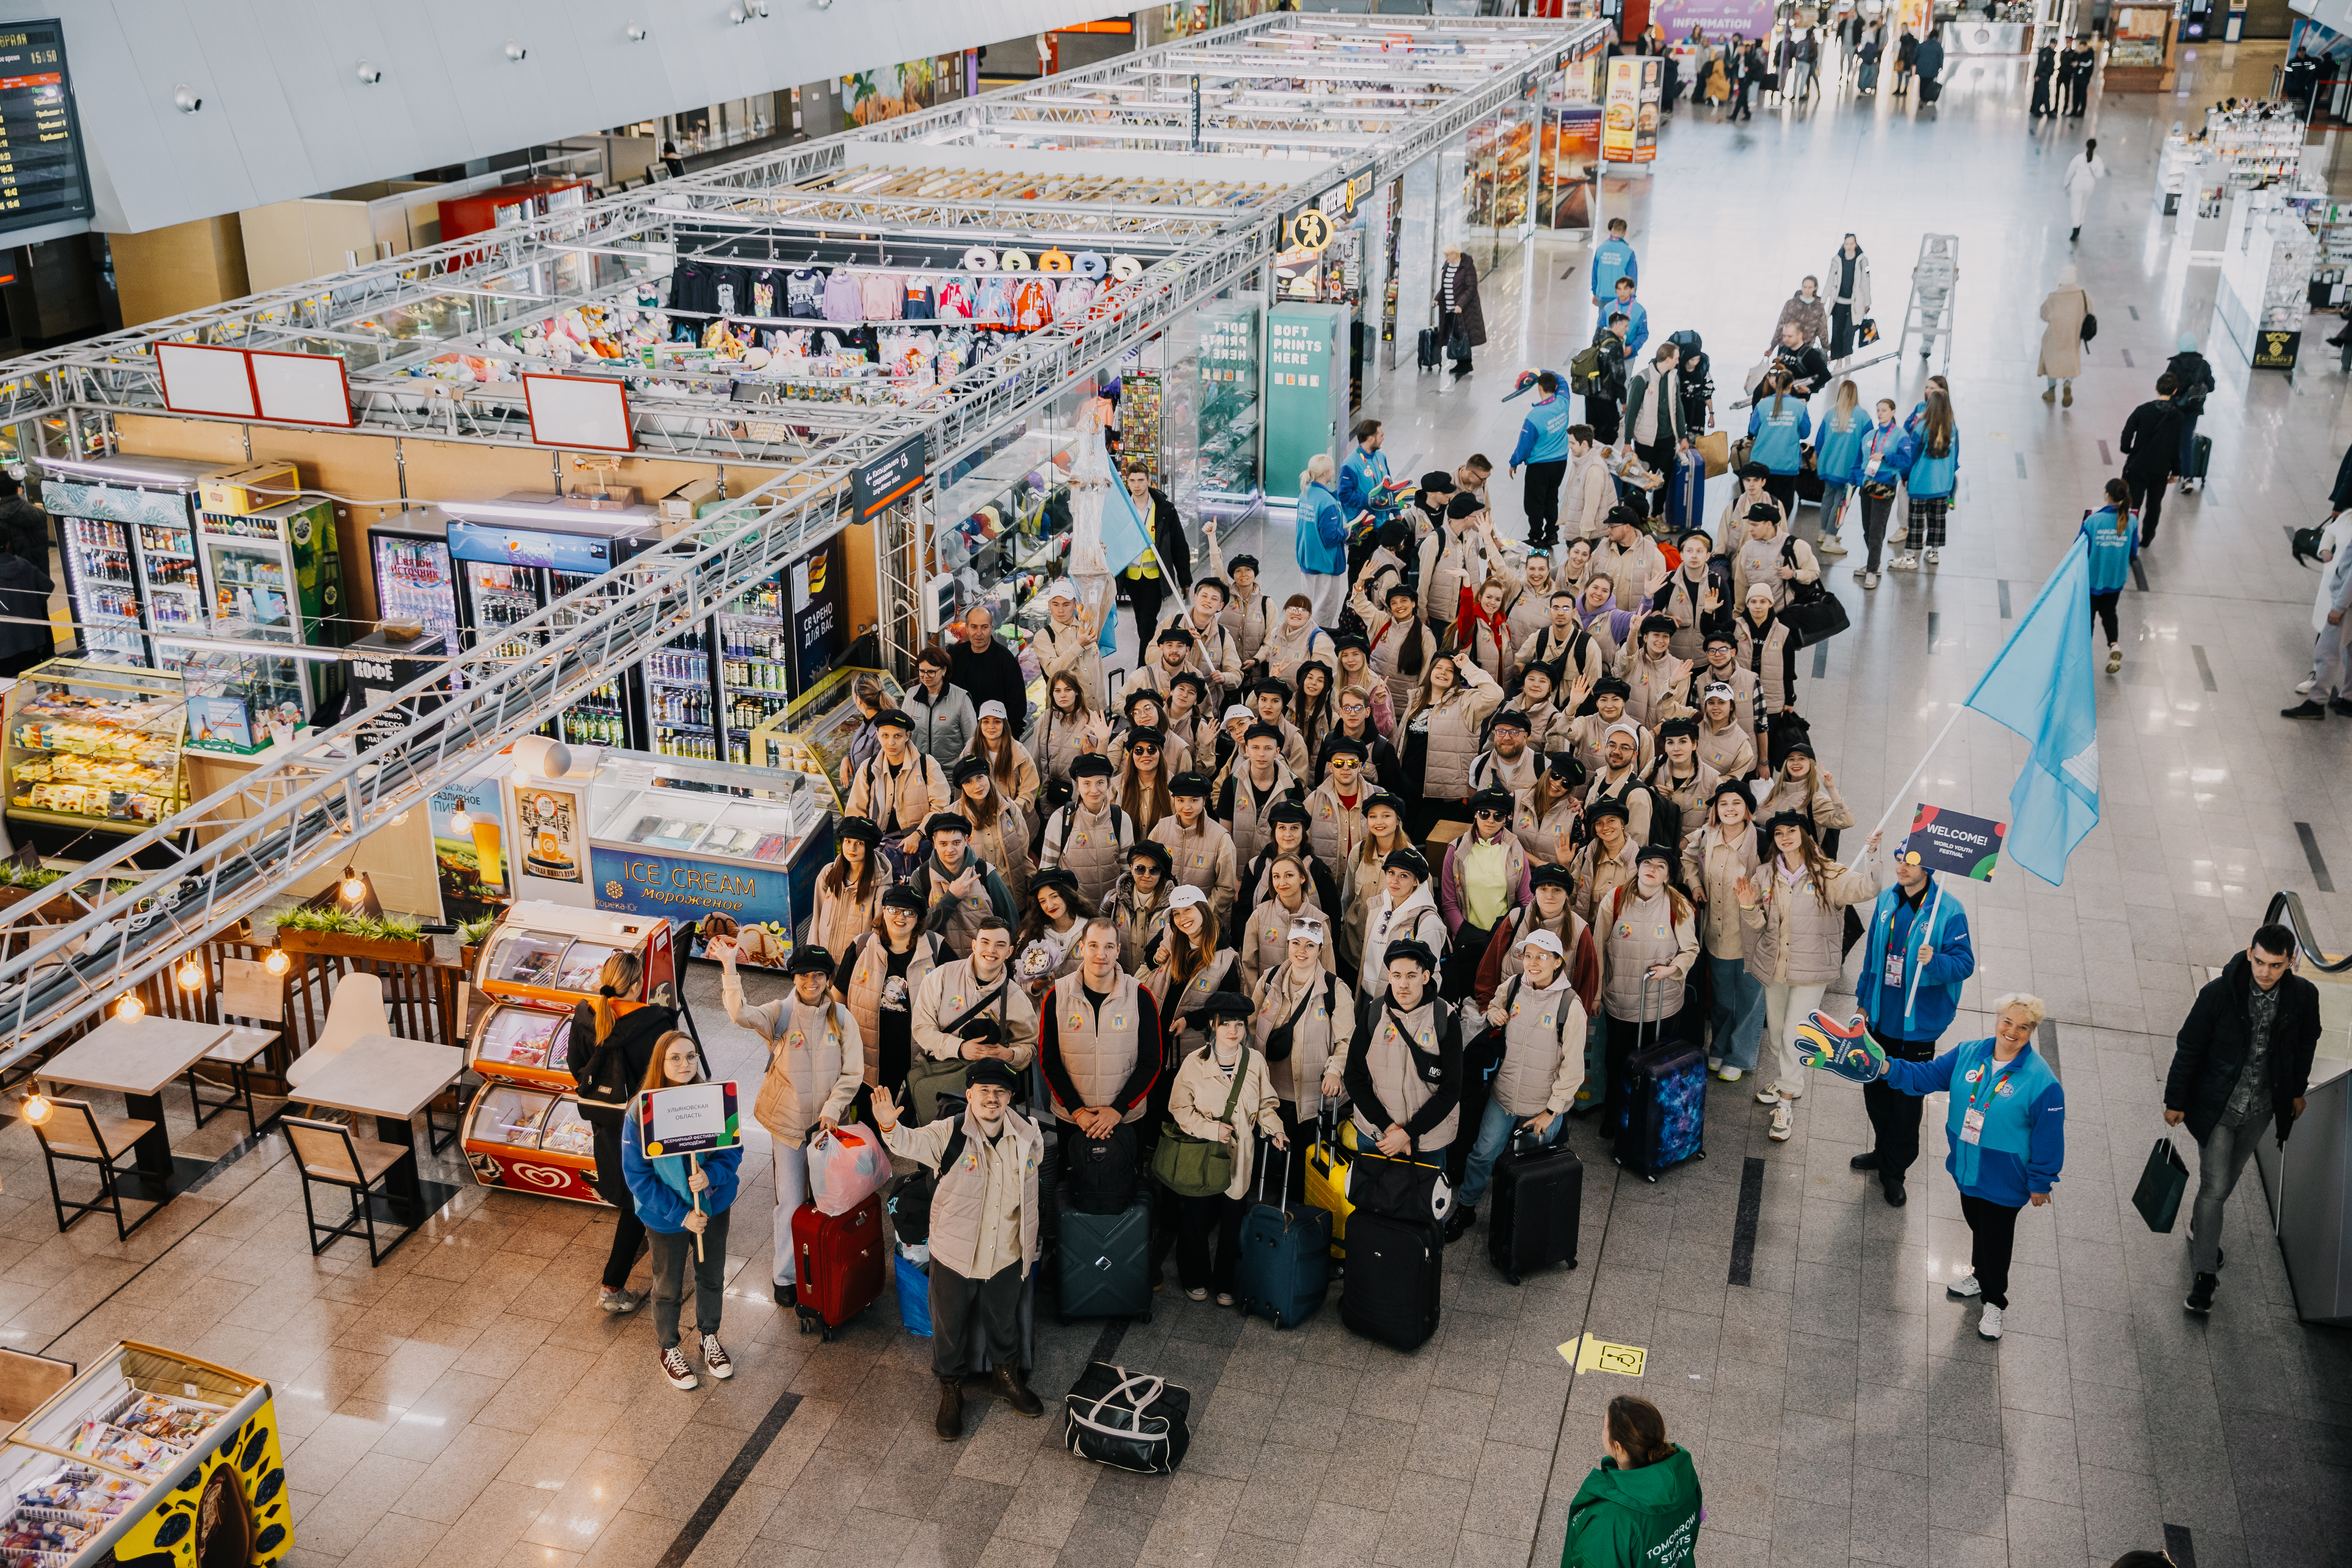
1808,368
23,525
2242,1062
25,588
988,669
2151,445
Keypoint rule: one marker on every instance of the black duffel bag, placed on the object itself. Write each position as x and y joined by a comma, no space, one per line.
1129,1421
1103,1174
1813,614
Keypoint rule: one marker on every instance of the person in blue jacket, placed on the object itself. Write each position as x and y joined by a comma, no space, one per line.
1934,453
1322,541
1777,428
1542,447
1879,462
1637,319
2007,1126
1613,259
682,1199
1837,443
1914,958
1366,470
2115,545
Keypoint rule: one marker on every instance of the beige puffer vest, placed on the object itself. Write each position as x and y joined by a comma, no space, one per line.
1089,845
1541,837
1317,1038
1772,672
867,981
1792,938
1637,932
1714,867
1389,639
1398,1081
957,1220
840,919
1452,731
1542,1031
806,1064
1099,1051
1333,830
1249,828
1056,741
1220,974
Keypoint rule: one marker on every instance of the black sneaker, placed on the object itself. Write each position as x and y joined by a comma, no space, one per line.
2201,1294
1459,1222
2306,708
1866,1161
2340,705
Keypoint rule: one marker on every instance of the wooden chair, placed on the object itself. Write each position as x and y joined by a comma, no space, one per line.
78,1135
236,1053
328,1152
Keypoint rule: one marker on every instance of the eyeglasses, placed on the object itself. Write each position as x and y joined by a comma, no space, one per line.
1144,746
1488,815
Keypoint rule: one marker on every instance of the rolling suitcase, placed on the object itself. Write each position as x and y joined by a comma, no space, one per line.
1665,1100
1105,1174
1428,350
841,1259
2200,457
1686,494
1105,1261
1286,1262
1393,1278
1929,91
1326,1174
1539,1194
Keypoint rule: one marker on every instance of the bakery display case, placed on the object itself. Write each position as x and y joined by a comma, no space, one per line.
235,700
93,747
147,1456
1499,173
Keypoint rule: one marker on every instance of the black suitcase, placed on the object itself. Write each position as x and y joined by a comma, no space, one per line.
1105,1261
1539,1196
1428,350
1393,1275
1929,92
1105,1174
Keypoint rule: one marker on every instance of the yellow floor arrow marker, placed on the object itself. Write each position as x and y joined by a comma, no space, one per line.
1590,1352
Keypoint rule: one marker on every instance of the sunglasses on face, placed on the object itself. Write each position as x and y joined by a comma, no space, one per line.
1490,816
1145,746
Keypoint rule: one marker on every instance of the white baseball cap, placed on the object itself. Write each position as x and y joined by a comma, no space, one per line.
1185,896
1548,942
1062,588
1305,930
993,710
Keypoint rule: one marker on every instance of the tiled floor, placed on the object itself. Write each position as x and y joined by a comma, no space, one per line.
467,1403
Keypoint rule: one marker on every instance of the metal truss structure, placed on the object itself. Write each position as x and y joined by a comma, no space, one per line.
291,818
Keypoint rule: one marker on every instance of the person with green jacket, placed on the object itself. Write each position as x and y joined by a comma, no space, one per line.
1639,1507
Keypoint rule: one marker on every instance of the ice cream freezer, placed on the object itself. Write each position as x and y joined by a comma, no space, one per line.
126,532
148,1455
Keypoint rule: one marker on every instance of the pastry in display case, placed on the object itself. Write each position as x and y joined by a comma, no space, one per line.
94,746
147,1456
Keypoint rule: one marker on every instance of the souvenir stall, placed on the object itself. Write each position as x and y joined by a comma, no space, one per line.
152,1456
523,1130
2264,293
2140,43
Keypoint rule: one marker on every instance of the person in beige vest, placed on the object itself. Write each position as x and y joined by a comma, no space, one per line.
1795,942
1527,575
1441,738
1716,856
1364,879
959,996
1768,651
1000,825
1063,727
1623,760
1263,780
1678,778
1139,903
1269,703
1544,814
1290,898
1147,715
1288,824
1452,558
1213,651
1404,1066
1070,642
1648,936
849,891
1772,556
1588,733
877,980
1509,763
1544,716
957,886
1690,597
1404,909
898,788
1047,942
1295,642
1306,1062
1098,1042
1190,964
1007,760
1655,680
1222,1094
1630,558
1400,646
1354,652
1606,861
1246,613
816,1066
1543,1027
1553,889
1749,493
1174,650
1561,648
1184,721
1088,837
1725,743
983,1241
1335,810
1203,851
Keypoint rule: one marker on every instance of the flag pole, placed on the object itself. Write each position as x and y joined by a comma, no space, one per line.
1904,791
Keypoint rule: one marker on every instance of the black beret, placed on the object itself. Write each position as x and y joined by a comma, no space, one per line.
1492,800
1193,785
1659,621
1054,877
946,822
991,1069
1763,511
1437,479
968,768
1515,719
1174,635
1553,877
1240,561
1610,685
1356,640
1279,688
1463,505
1140,694
1563,766
1734,786
1379,797
1754,472
859,828
1346,746
1192,678
1780,819
1399,589
1223,1004
810,960
1090,765
1262,731
1673,727
1151,849
899,895
1146,735
1406,947
1608,807
1407,860
894,719
1655,852
1289,811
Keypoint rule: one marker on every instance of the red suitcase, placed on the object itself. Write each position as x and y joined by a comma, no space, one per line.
841,1261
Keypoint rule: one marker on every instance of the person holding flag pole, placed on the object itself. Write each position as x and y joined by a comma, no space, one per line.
684,1201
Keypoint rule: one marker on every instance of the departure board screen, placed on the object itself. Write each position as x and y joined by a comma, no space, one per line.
42,177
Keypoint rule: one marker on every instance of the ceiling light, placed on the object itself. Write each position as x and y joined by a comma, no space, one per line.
130,1009
187,98
192,974
516,52
370,72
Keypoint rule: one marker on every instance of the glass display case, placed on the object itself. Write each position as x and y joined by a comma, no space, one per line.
515,1040
813,735
550,952
236,699
277,572
2139,50
1498,190
685,840
1004,513
95,745
1226,430
126,531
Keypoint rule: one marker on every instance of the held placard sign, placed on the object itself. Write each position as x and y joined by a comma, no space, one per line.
691,1119
1942,839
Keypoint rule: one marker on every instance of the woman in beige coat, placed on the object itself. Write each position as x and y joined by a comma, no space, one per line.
1793,920
2062,339
1805,786
1441,737
1221,1092
1320,1010
849,891
1714,858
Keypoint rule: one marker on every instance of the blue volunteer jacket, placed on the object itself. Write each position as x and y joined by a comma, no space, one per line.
2112,554
1888,444
2024,1138
1543,436
1613,259
1779,439
1836,452
1927,477
1359,476
1637,323
1930,994
659,1186
1322,533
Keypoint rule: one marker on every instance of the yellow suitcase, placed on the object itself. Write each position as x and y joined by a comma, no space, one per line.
1327,1176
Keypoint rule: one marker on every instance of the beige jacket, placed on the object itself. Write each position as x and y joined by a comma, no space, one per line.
984,1212
897,803
1196,1103
1629,938
1072,649
1204,858
1026,784
950,991
840,920
1760,560
1793,939
2062,339
816,1063
1453,724
1318,1041
1812,796
1712,868
1543,1046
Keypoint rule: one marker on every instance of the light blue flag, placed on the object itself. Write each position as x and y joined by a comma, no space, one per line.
1124,536
2039,685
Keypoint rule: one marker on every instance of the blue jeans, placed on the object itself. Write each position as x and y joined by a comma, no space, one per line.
1738,1013
1832,503
1494,1136
2187,467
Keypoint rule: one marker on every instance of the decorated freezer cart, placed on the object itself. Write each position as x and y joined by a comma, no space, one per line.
524,1130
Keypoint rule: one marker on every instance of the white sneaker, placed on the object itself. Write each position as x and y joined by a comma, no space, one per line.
1870,579
1907,562
2114,658
673,1367
2302,688
1935,557
1830,545
1768,1095
1714,1064
1966,1290
1201,1295
1988,1325
1730,1075
1783,1123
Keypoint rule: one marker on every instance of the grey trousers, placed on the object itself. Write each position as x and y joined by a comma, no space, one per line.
2331,665
2219,1161
979,1324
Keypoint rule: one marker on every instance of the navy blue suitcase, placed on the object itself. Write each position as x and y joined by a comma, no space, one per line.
1686,495
1427,349
1285,1270
1105,1261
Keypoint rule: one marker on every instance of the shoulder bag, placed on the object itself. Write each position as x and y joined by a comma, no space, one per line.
1199,1167
929,1077
1813,614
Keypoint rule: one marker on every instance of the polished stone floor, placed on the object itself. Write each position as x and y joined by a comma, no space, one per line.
467,1404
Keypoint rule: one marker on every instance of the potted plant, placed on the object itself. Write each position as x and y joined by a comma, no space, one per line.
470,937
339,933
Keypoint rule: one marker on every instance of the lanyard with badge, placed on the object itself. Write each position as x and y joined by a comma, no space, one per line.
1972,1119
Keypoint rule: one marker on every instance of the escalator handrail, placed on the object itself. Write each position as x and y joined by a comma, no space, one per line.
2287,907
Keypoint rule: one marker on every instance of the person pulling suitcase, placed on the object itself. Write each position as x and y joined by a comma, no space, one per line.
983,1236
1538,1015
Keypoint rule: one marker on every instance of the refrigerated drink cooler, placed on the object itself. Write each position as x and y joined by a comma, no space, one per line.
415,577
126,531
524,1130
276,573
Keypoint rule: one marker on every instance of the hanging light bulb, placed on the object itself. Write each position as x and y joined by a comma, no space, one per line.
354,886
459,822
275,961
130,1009
192,974
37,1109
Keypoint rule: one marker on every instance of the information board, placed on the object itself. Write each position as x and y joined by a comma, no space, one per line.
42,176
